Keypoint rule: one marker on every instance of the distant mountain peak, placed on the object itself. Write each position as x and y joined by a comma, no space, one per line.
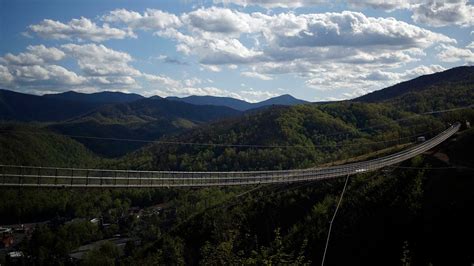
96,97
241,105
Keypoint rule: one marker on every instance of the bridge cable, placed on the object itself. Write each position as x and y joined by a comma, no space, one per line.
220,144
244,145
332,220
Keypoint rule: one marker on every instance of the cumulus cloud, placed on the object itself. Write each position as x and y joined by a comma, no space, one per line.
421,70
248,95
347,36
36,66
273,4
5,76
36,69
46,75
36,54
348,28
448,53
388,5
151,19
438,13
255,75
212,50
80,29
220,20
98,60
362,81
346,50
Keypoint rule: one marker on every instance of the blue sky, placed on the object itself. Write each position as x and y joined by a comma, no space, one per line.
248,49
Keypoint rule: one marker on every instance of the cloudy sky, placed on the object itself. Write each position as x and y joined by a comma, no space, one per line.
248,49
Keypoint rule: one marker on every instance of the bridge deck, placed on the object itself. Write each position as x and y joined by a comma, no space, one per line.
30,176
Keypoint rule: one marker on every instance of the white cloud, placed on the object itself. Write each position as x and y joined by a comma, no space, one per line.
220,20
98,60
5,76
388,5
101,68
450,53
254,95
212,50
348,29
273,4
438,13
36,54
47,75
256,75
246,95
80,29
211,68
421,70
151,19
301,44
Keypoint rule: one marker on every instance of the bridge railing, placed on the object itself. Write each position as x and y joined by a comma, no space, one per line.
73,177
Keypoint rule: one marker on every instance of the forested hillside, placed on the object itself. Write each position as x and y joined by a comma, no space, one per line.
31,145
305,136
285,100
417,213
447,80
146,119
25,107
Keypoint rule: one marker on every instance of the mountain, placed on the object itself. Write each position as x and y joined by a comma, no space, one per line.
31,145
156,108
26,107
98,97
238,104
319,133
147,119
285,99
213,100
458,76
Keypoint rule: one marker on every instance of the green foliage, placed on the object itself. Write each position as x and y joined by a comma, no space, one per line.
106,254
386,217
30,145
306,135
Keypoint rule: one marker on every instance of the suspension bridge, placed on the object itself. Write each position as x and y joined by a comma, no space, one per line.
34,176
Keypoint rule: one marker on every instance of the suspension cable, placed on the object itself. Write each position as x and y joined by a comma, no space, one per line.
332,220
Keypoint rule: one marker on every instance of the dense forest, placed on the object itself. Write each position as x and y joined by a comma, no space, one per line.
415,213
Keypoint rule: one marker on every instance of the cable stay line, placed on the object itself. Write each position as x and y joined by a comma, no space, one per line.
222,144
332,220
33,176
165,142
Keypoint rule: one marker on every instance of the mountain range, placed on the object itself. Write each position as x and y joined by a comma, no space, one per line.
237,104
70,105
88,118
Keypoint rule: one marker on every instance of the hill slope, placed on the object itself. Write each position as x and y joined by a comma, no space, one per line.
156,108
146,119
239,104
30,145
458,76
213,100
26,107
98,97
308,135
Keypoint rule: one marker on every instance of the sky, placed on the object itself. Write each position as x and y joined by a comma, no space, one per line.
315,50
